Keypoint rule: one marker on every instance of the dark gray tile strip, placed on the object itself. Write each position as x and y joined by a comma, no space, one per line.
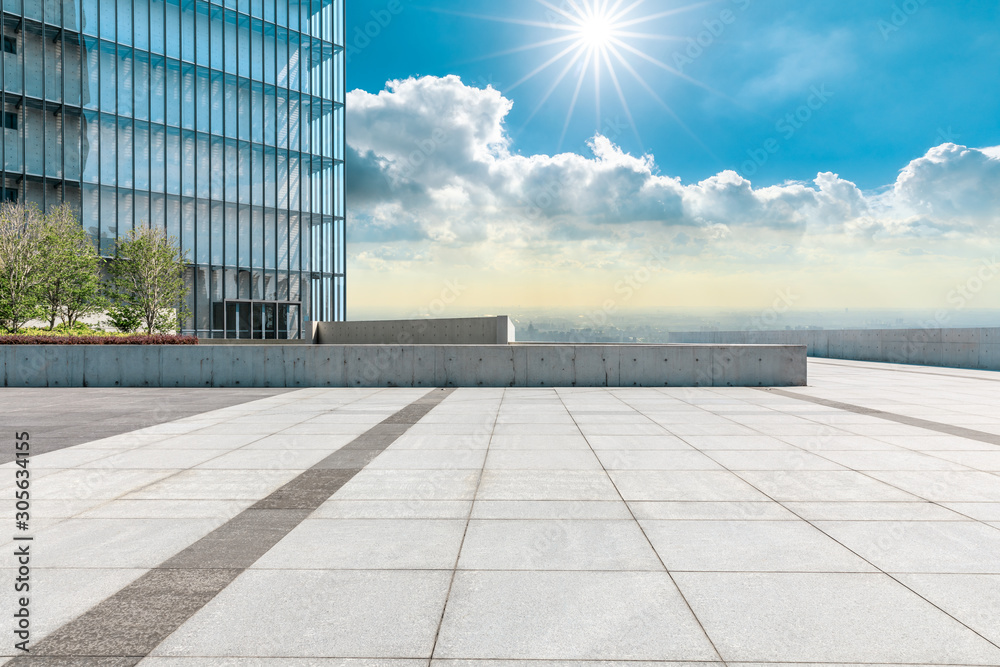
947,429
126,627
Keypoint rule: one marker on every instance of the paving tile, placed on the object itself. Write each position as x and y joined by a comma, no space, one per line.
933,443
265,459
281,441
288,613
154,458
945,486
694,485
738,442
637,442
808,485
546,485
921,546
279,662
974,599
205,441
593,429
898,460
873,511
501,442
452,442
556,545
433,459
827,442
548,459
569,616
566,510
771,460
988,461
166,509
568,663
411,484
630,459
69,457
977,511
336,508
78,484
213,485
749,546
827,618
125,543
702,429
356,544
766,510
535,429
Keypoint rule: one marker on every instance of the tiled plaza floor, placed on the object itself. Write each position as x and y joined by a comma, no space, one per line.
853,522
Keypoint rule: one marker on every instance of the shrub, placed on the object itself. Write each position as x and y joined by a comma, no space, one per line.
158,339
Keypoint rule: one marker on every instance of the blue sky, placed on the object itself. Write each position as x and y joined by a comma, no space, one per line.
876,86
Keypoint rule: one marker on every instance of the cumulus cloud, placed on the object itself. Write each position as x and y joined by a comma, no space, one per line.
430,160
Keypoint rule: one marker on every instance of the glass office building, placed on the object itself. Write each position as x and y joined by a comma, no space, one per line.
221,121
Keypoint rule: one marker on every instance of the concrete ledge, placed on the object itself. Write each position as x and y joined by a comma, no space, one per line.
454,331
975,349
403,366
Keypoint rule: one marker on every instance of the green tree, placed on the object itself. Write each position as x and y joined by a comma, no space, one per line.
22,265
147,278
72,287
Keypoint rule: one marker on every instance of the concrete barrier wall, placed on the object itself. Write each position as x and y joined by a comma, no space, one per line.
955,348
402,366
456,331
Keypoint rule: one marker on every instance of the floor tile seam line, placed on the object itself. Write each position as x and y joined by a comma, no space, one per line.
824,362
54,636
878,569
864,473
263,437
946,429
465,531
659,558
180,470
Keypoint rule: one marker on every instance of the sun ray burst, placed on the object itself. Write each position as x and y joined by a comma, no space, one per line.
600,36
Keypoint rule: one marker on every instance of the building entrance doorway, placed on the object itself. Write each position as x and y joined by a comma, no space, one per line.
277,320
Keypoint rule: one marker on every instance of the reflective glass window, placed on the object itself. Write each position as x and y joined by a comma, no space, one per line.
109,155
125,152
158,162
140,85
140,36
173,160
141,150
188,171
157,88
125,73
173,92
125,22
157,17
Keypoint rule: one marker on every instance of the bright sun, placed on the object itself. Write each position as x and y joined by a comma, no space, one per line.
596,40
596,31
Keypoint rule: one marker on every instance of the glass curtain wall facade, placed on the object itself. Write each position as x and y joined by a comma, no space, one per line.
220,121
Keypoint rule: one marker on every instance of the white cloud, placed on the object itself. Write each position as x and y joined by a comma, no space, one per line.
429,160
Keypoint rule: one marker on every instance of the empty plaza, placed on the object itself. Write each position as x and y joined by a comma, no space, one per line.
855,521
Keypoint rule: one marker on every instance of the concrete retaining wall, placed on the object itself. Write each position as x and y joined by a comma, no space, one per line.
955,348
402,366
460,331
